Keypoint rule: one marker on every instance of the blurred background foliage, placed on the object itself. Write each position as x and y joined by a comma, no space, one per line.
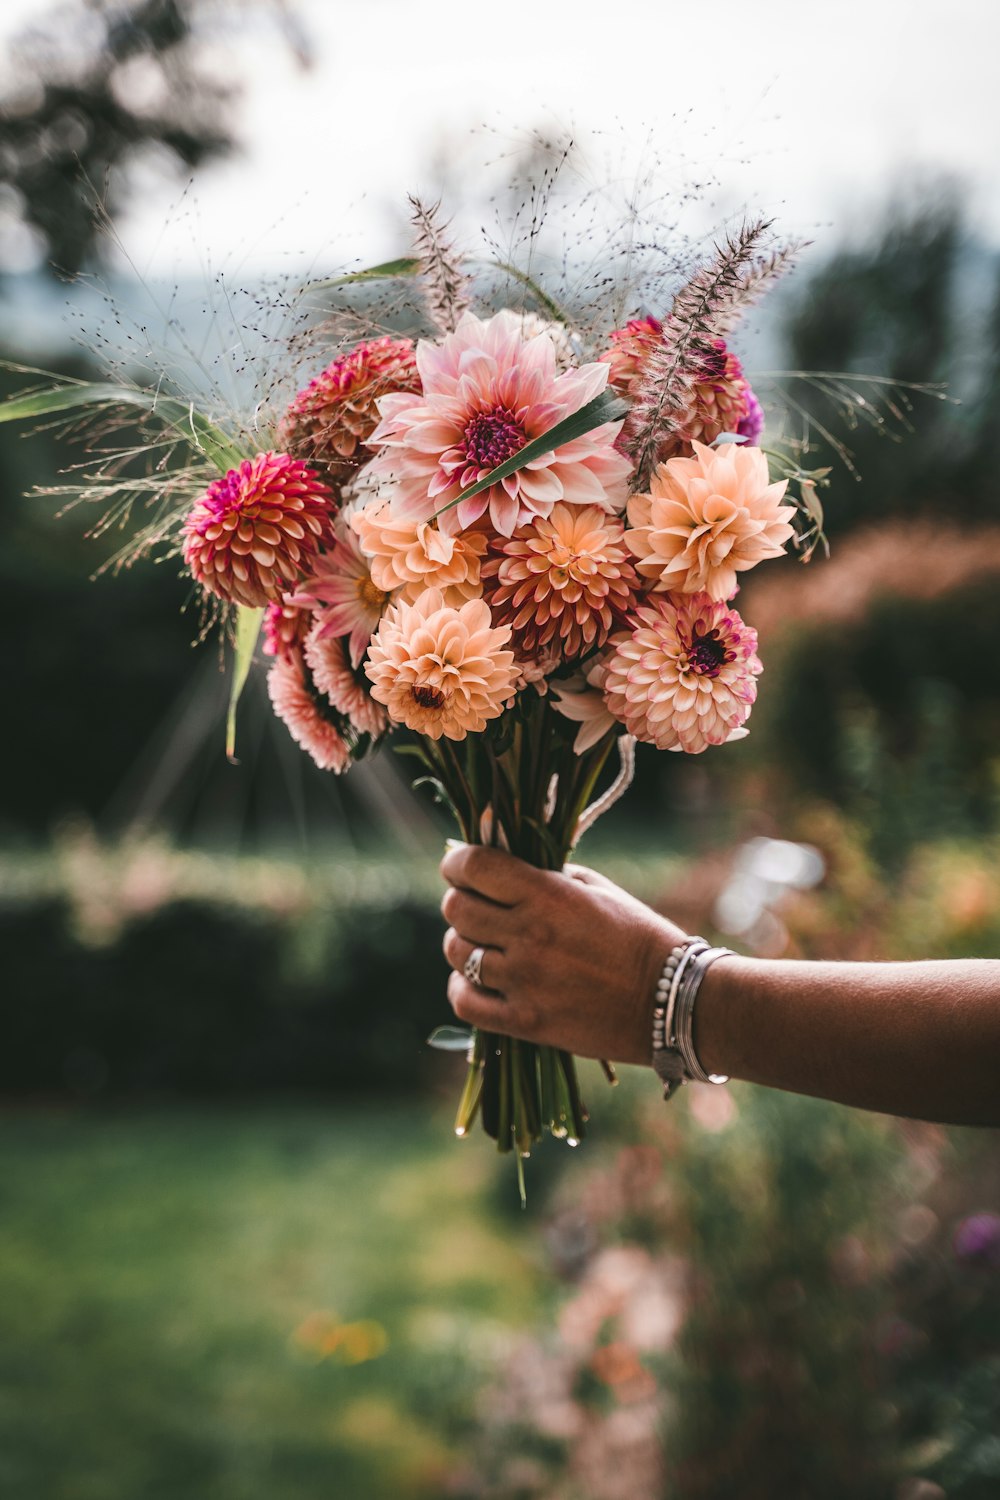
239,1255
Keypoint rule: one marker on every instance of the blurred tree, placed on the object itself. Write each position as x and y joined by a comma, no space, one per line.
920,303
97,85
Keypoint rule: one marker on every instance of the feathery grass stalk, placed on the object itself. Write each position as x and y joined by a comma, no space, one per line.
445,285
675,365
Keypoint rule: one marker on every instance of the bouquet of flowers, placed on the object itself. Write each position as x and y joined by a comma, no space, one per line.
507,547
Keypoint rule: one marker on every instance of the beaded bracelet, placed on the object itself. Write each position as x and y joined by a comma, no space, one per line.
674,1057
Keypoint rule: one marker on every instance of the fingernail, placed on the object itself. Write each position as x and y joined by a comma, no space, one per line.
455,844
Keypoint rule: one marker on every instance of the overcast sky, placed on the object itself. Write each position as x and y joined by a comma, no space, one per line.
813,113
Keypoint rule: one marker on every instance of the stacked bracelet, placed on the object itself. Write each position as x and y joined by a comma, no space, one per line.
674,1057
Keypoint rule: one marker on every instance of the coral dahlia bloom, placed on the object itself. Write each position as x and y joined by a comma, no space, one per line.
683,679
341,590
335,415
412,555
564,581
297,704
630,349
439,670
706,519
255,530
335,679
487,391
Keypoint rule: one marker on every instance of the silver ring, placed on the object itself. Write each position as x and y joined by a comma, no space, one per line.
473,969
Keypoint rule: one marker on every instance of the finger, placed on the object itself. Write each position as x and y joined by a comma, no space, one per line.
492,873
480,1008
585,875
478,920
458,952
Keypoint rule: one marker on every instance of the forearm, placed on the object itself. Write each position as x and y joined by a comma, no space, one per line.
913,1039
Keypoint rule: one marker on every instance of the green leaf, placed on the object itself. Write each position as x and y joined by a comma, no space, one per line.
406,266
552,307
181,416
607,407
450,1039
248,622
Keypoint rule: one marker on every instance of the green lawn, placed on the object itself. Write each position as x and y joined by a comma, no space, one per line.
174,1287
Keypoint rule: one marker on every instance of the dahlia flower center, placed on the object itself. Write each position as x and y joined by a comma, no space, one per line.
370,596
427,696
707,654
493,436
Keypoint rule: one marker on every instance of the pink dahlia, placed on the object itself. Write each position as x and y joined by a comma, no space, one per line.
341,590
708,518
285,628
298,705
337,681
720,401
253,531
335,415
581,698
562,582
683,679
441,671
410,555
487,390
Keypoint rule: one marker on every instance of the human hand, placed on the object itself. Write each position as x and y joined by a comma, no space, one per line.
571,959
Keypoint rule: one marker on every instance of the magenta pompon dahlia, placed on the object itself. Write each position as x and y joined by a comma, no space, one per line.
684,677
249,538
487,391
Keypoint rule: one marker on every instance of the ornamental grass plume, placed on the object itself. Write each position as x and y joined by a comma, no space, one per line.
329,422
486,392
684,677
300,708
410,555
255,530
341,591
439,670
707,518
563,583
334,678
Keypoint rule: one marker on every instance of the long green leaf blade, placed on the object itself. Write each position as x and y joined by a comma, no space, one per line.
550,305
181,416
407,265
606,407
248,622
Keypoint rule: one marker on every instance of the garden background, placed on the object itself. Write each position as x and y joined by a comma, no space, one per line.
240,1253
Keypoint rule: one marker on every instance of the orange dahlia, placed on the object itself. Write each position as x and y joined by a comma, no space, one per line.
410,555
562,582
335,414
684,677
441,671
253,532
707,518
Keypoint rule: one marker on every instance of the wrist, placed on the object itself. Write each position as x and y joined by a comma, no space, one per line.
721,1012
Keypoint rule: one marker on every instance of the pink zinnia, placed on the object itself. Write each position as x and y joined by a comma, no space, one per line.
683,679
256,528
341,591
487,392
334,677
296,703
335,415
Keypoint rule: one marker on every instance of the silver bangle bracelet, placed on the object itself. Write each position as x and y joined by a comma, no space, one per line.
674,1057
